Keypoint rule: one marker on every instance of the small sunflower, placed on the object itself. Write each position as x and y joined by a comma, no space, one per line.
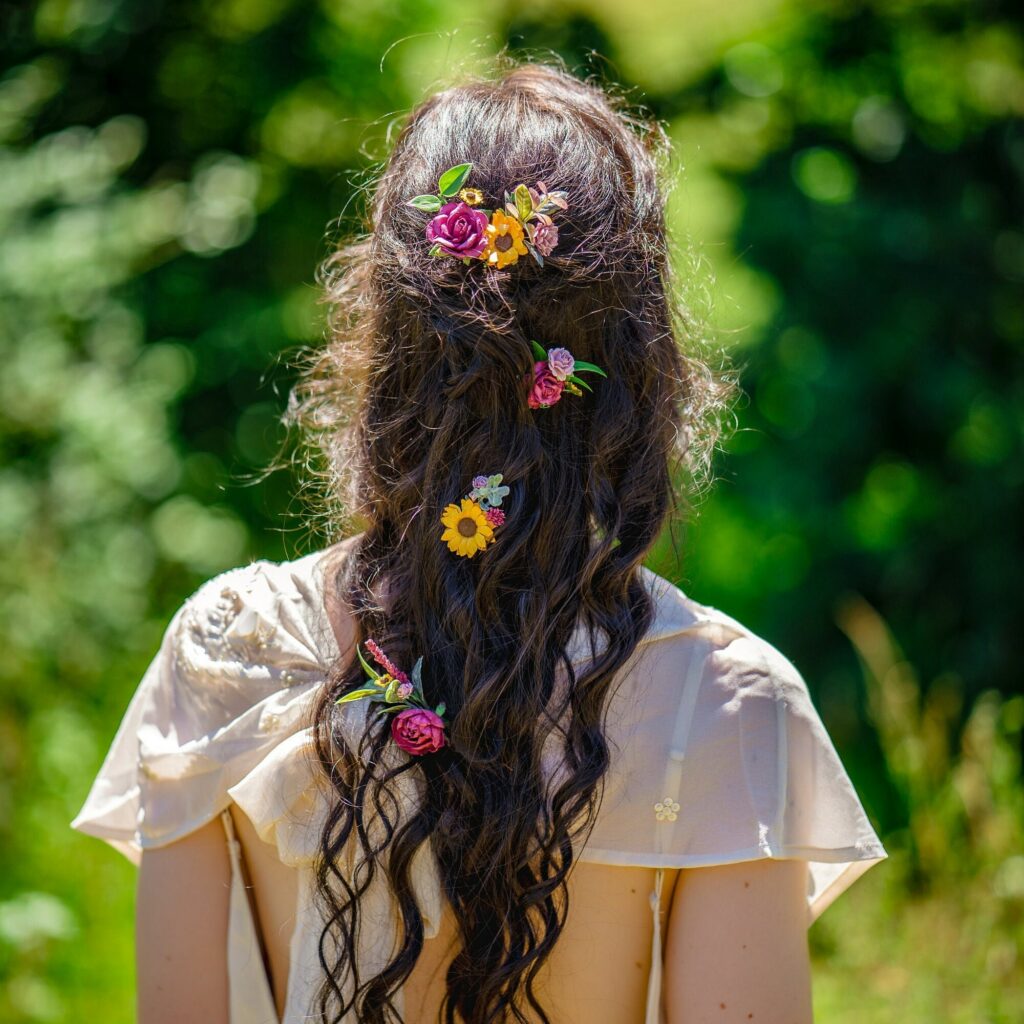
467,529
471,196
504,240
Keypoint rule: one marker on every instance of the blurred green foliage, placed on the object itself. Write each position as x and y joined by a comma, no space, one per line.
850,190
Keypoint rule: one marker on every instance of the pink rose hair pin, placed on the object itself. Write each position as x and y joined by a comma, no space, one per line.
462,228
416,728
555,371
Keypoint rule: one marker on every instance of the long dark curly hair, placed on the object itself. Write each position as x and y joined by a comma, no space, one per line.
422,386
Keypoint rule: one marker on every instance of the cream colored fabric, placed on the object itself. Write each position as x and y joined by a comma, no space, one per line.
718,756
250,998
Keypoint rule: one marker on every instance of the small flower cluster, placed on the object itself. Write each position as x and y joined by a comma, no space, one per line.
463,229
469,526
416,728
556,371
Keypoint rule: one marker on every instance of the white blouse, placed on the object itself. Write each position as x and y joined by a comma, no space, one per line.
718,755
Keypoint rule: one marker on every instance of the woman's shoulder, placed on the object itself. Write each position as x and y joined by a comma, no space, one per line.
682,623
258,616
272,618
237,669
286,610
720,755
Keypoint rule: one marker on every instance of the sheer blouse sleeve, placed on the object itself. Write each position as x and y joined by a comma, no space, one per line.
230,679
719,756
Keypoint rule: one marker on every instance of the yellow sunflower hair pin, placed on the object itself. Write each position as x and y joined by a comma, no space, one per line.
470,525
465,230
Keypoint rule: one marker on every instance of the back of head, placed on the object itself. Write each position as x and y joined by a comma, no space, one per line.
439,356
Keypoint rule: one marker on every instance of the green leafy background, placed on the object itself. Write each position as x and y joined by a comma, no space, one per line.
849,180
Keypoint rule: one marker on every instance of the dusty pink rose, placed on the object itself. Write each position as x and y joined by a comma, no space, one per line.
544,237
404,689
479,481
418,731
560,362
547,388
495,516
459,230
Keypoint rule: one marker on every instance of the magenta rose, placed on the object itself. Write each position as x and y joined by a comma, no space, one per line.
547,388
560,362
459,230
418,731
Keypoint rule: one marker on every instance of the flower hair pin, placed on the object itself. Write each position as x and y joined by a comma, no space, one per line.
470,526
524,225
556,371
416,727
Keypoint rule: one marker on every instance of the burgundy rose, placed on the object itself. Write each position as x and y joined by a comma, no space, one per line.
547,388
459,230
418,731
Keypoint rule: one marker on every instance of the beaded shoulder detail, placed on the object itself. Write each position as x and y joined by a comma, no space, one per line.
251,625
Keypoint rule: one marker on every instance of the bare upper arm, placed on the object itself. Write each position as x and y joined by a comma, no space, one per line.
181,924
736,945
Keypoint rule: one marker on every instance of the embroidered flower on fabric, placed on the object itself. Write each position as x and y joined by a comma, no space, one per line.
249,634
208,624
666,810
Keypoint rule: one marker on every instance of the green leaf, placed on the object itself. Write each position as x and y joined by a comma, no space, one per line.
555,201
579,381
534,252
436,250
453,179
394,707
538,350
355,695
429,203
581,365
524,203
417,673
391,693
370,670
439,710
